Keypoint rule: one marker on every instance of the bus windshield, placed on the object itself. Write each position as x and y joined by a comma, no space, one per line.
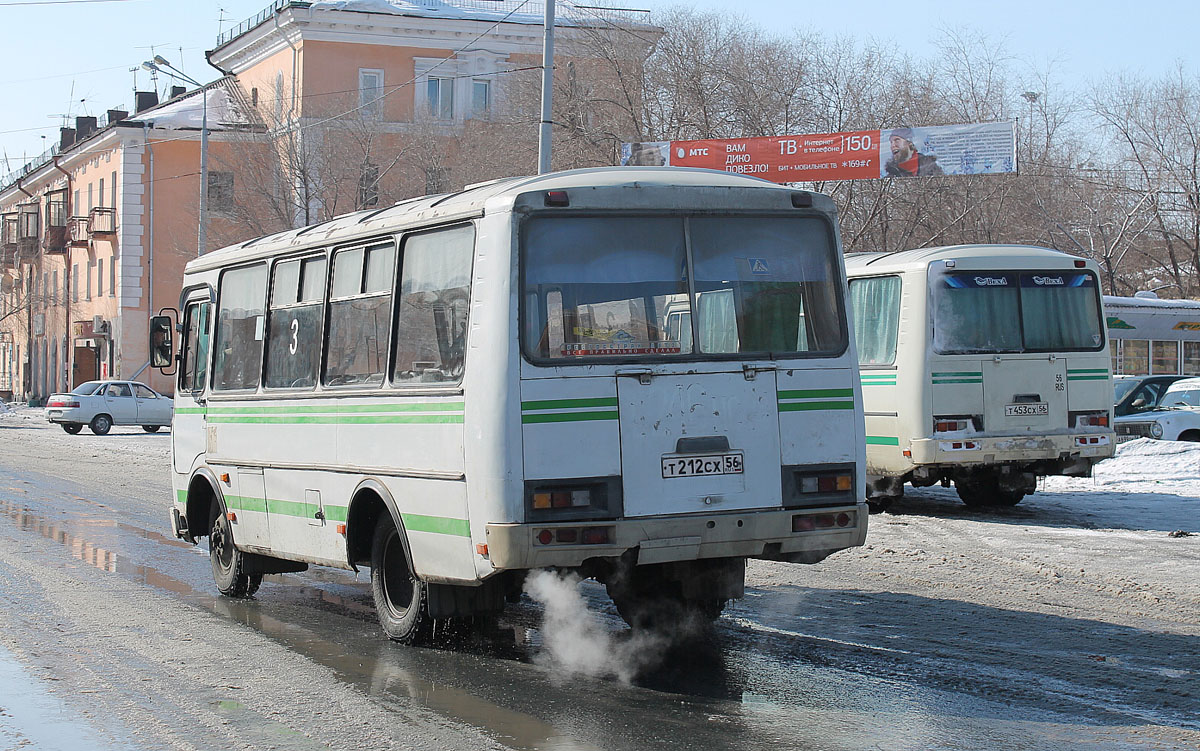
985,312
618,288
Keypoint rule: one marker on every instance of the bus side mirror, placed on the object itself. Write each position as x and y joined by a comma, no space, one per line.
162,346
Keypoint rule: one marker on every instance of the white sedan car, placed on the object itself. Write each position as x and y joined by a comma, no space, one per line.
103,404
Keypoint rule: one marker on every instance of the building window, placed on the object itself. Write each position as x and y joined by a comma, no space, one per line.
220,191
75,283
370,93
75,204
439,94
99,277
279,97
481,99
88,290
254,96
113,188
368,186
101,192
91,197
112,277
54,289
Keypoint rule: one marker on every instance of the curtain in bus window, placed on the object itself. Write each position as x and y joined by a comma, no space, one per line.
294,324
359,316
435,294
1191,358
616,286
777,280
1060,311
1135,356
237,361
876,306
1164,358
976,312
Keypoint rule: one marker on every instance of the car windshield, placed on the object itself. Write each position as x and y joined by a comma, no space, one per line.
1182,398
85,389
1122,387
985,312
619,287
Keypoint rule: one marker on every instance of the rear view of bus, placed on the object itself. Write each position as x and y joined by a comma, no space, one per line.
687,387
987,366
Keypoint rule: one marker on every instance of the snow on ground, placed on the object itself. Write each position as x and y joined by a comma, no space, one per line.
125,440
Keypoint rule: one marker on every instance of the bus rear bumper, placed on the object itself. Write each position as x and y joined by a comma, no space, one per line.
752,534
1001,449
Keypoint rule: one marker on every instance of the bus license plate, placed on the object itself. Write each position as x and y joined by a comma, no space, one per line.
1029,409
698,466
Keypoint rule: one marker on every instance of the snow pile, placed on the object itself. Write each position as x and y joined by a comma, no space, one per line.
1147,460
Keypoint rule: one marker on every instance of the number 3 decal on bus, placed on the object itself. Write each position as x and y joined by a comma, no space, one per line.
295,331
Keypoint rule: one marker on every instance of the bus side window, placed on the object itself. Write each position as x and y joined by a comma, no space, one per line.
359,315
193,368
435,293
294,323
237,361
876,305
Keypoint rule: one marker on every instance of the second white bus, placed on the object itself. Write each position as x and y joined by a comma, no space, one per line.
642,375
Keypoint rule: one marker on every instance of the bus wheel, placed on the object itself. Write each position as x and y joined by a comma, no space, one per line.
400,597
227,561
972,494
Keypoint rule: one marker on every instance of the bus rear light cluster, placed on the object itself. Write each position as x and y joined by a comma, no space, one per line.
64,403
574,536
1091,419
958,445
1091,440
562,499
811,522
951,426
825,483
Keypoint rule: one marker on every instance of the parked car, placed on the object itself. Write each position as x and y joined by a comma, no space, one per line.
103,404
1134,394
1176,418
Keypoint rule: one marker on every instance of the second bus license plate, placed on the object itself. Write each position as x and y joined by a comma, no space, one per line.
698,466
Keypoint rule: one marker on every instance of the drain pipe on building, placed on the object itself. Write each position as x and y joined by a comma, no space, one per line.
69,354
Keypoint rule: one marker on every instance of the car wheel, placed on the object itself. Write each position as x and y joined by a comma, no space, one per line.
101,424
400,597
151,428
226,560
1190,435
72,427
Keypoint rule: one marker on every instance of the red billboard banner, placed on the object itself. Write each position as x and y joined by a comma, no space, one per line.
981,148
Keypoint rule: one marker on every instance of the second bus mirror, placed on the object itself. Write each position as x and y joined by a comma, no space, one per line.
162,346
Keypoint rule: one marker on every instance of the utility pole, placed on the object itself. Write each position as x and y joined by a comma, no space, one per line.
547,90
1031,97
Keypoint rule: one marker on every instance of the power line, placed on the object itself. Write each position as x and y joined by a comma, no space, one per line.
60,2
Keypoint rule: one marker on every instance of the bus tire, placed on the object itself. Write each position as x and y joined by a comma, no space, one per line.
226,559
401,599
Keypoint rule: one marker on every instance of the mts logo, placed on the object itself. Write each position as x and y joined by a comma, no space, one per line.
698,152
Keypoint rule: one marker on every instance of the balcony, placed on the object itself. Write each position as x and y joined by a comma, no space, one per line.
102,221
8,241
55,240
77,232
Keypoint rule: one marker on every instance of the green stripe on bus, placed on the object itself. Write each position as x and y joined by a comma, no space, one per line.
334,419
1088,378
940,381
289,508
339,408
245,503
335,513
813,406
1074,371
602,401
879,377
960,374
190,410
438,525
181,496
882,440
568,417
815,393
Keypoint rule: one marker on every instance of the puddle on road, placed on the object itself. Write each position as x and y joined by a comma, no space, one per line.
734,691
32,718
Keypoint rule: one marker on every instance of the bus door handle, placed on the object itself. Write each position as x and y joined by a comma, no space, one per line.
752,371
642,374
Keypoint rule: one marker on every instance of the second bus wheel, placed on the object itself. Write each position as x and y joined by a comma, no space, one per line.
400,597
226,560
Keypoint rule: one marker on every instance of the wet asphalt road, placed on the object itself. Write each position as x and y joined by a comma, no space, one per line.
789,667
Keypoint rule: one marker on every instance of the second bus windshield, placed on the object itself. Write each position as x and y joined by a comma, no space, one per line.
616,288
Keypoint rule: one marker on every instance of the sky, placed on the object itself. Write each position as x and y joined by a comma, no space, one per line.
73,57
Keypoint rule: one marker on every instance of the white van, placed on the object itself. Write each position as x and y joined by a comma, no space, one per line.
982,365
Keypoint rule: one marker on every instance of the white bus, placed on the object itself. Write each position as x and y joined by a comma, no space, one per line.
462,388
982,365
1152,336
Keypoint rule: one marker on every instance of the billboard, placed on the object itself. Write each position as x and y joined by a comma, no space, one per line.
973,149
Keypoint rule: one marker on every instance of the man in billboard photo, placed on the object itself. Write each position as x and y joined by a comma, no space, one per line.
906,161
652,154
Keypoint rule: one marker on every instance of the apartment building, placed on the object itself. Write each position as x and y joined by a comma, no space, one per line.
322,108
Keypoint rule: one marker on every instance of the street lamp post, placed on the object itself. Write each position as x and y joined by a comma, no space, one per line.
1031,97
157,65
